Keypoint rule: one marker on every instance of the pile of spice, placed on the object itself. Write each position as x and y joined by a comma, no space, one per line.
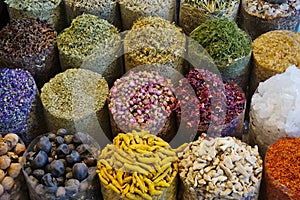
62,165
269,15
30,44
220,107
11,179
51,10
21,109
282,170
275,109
76,100
143,101
273,53
195,12
228,45
133,10
154,40
107,10
91,43
220,168
138,165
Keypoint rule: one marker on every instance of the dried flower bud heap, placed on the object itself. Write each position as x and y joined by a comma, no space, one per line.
220,168
229,47
105,9
138,165
76,99
11,179
275,108
133,10
62,165
273,53
153,40
195,12
21,109
31,45
259,17
143,101
91,43
282,170
221,106
51,10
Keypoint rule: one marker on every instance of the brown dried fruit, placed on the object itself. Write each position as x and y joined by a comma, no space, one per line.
1,190
19,148
4,162
2,175
11,139
8,183
14,170
3,148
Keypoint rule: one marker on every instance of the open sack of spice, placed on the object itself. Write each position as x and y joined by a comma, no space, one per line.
217,107
228,46
275,108
259,17
12,180
51,11
153,40
138,165
195,12
143,101
20,105
220,168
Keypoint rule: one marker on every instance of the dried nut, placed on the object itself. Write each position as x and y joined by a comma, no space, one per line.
14,170
11,139
3,148
2,175
19,148
4,162
8,183
1,190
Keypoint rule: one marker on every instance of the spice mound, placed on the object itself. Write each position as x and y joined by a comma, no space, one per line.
143,101
274,116
62,165
218,103
12,180
220,168
282,169
138,165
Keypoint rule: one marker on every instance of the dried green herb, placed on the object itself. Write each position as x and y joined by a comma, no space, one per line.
223,40
211,6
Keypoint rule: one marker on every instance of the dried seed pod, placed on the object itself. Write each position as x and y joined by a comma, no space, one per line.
3,148
14,170
19,149
8,183
4,162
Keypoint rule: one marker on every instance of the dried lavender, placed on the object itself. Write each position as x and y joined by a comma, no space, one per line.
30,44
91,43
228,45
143,101
266,16
51,10
76,99
19,104
195,12
220,106
154,40
107,9
133,10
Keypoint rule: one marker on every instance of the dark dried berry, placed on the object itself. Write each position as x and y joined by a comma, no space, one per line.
74,157
80,171
57,168
59,140
39,160
60,180
90,160
72,182
62,149
47,168
80,138
68,139
44,144
38,173
48,180
61,132
84,149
